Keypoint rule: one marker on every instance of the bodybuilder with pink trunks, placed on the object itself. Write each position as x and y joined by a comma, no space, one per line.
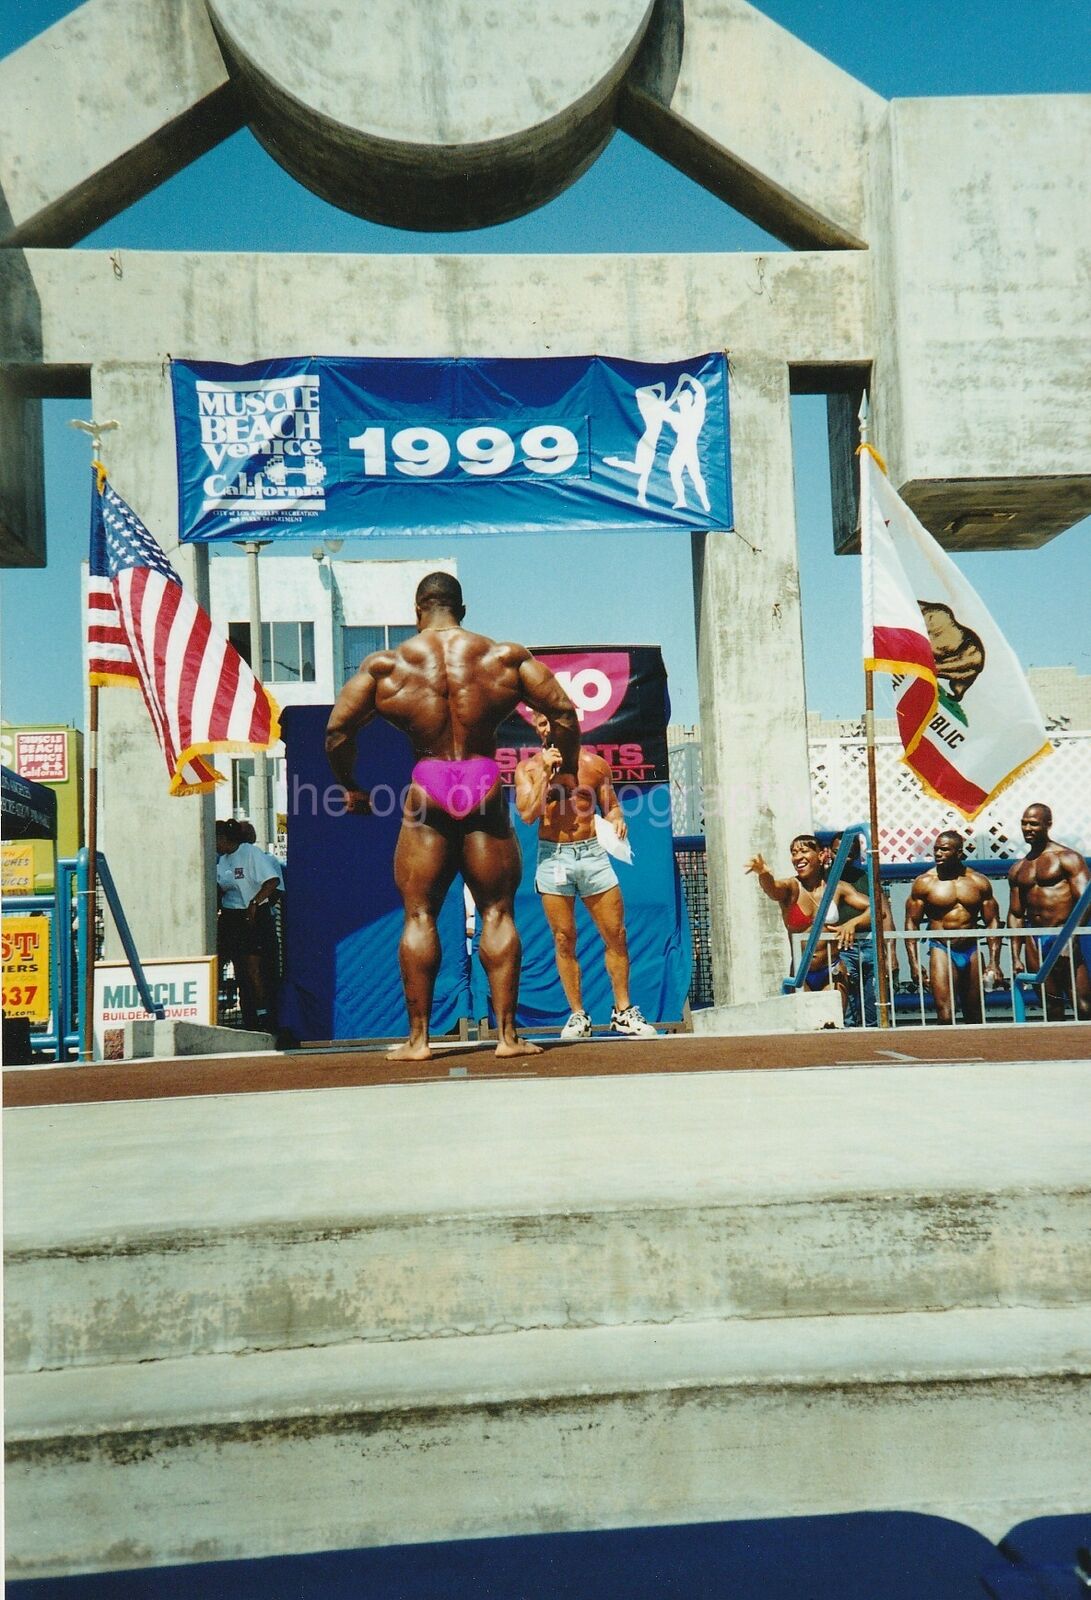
449,690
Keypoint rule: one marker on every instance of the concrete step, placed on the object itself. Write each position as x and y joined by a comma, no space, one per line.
982,1415
165,1228
413,1277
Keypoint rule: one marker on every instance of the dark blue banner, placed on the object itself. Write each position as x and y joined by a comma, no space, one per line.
322,447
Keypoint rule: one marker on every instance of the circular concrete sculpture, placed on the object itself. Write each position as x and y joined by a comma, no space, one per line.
436,114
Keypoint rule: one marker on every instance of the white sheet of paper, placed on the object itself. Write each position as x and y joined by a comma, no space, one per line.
606,834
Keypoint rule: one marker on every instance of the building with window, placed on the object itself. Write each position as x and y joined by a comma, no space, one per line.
321,615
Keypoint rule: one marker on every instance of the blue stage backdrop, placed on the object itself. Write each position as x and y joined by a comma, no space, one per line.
315,446
343,913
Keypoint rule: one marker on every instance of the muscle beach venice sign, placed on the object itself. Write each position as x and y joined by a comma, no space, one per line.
317,446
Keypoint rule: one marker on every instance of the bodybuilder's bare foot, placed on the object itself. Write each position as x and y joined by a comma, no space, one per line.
410,1051
517,1047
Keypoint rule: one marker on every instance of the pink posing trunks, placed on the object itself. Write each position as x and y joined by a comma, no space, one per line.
457,787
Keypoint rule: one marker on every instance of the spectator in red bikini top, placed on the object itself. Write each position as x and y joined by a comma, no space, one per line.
799,897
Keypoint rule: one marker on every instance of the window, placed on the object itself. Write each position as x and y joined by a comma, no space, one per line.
244,791
287,650
357,643
238,635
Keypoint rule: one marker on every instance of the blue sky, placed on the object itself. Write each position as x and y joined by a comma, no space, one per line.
899,50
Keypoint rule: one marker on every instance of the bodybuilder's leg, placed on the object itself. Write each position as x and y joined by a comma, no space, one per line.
424,866
969,990
491,866
940,968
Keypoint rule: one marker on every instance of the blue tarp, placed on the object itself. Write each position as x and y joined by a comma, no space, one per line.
343,912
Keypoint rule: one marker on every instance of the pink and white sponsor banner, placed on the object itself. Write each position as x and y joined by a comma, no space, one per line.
620,696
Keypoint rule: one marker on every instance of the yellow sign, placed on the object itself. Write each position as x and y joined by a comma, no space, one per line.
25,943
18,866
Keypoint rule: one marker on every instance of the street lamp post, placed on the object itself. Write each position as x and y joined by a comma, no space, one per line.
259,804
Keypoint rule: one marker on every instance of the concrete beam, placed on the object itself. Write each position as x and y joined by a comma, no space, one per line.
77,307
749,111
144,84
982,275
757,792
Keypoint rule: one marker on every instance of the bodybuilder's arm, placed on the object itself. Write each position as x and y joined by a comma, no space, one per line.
532,779
608,800
1077,871
1016,919
845,894
543,693
354,709
914,916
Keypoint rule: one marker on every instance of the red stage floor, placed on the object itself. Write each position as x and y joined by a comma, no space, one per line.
339,1068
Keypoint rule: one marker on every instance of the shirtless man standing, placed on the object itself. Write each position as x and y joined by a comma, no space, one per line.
1045,886
572,862
449,690
953,896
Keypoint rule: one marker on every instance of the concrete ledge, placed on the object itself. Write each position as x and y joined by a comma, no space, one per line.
783,1013
165,1039
978,1415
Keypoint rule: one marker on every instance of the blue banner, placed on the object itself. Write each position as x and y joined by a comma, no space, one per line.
322,447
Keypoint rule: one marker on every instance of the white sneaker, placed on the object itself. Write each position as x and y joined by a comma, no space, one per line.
578,1026
631,1023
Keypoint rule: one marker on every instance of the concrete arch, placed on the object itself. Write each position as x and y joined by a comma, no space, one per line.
444,116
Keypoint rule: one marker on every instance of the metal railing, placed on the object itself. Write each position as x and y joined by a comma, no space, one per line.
911,1002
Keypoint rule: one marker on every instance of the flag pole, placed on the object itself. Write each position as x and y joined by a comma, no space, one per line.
90,894
874,877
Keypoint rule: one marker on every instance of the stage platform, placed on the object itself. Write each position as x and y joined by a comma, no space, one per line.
275,1305
342,1066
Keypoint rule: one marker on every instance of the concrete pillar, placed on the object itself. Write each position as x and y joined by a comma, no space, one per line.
160,848
22,485
757,789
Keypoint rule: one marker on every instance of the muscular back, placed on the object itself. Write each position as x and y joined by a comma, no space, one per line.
448,690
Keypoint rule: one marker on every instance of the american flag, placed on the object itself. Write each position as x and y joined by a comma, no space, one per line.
144,630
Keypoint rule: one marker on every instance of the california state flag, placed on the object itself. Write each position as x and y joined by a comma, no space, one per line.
967,718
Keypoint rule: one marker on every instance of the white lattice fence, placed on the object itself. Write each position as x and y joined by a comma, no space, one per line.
909,820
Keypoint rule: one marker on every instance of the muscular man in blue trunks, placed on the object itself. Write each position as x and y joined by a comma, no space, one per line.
953,897
1045,886
449,690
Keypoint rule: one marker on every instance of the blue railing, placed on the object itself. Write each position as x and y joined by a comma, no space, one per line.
63,1033
818,927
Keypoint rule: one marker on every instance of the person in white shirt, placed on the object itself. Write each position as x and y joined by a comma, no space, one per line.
248,881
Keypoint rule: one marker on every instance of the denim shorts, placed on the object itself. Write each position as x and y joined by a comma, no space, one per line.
573,869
